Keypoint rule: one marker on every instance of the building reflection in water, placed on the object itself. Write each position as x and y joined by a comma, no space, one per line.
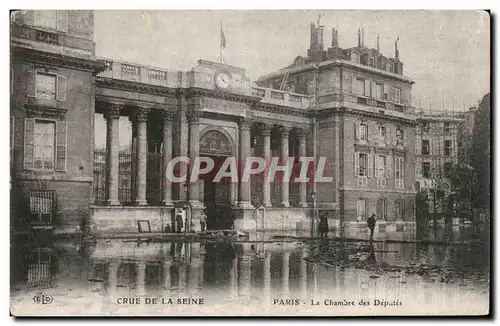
261,271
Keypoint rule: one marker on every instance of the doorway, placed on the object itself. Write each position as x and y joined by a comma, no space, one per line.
217,198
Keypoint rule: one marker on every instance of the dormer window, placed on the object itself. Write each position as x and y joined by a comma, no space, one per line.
390,67
370,62
355,56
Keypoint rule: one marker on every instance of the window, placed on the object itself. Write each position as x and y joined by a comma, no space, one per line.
370,61
361,209
399,172
381,166
45,86
447,128
399,137
382,208
363,131
425,127
363,165
447,170
425,147
46,18
426,170
355,57
400,209
361,87
447,147
44,142
381,134
397,95
390,67
379,91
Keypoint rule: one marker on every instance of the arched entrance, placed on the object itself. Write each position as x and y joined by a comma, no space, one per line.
217,195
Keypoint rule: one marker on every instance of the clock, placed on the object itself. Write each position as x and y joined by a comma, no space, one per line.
223,80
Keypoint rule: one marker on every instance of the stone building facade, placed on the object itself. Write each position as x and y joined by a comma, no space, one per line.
351,107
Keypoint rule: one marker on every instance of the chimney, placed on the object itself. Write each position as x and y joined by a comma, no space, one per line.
396,51
314,37
378,42
359,37
320,37
362,36
335,37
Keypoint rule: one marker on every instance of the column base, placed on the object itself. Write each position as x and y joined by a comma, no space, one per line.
245,205
245,219
267,205
303,205
195,203
167,203
285,204
140,202
113,202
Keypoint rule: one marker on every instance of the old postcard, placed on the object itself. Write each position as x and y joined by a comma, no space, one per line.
249,163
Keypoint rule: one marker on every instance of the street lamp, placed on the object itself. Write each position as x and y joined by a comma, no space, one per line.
313,196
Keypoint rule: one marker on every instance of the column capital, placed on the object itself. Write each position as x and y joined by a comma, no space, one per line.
244,123
265,129
113,111
301,133
284,131
193,113
169,116
141,114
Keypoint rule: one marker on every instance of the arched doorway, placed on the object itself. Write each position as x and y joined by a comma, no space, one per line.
217,195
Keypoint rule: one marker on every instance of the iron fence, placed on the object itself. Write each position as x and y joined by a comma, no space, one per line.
99,179
154,178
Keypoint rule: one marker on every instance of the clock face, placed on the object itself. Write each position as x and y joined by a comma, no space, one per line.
223,80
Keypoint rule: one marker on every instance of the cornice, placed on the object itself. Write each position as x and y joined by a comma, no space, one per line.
323,113
56,59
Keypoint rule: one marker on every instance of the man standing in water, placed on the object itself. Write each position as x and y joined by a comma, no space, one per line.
371,225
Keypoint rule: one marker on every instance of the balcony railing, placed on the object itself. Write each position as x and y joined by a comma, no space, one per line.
128,69
46,37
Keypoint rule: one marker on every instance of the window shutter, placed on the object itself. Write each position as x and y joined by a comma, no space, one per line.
369,133
354,86
379,208
367,87
376,162
61,88
405,137
418,144
370,165
30,83
29,141
374,89
62,20
356,163
356,130
386,91
11,80
61,145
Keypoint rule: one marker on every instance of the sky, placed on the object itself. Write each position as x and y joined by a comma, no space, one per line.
446,53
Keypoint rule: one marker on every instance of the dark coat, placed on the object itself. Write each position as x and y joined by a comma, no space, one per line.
323,223
371,222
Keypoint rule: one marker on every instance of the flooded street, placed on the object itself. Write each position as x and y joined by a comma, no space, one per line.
285,276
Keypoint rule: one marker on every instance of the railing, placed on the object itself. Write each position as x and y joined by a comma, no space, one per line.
42,206
46,37
108,64
129,69
157,74
99,178
259,92
279,95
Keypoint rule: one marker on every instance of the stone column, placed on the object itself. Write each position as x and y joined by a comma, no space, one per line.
233,278
112,116
167,280
194,114
285,186
141,117
141,278
302,133
112,277
303,274
245,148
267,277
285,273
245,275
168,117
266,186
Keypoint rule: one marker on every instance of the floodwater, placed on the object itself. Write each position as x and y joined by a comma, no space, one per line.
270,277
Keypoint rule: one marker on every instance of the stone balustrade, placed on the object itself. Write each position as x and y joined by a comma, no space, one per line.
184,79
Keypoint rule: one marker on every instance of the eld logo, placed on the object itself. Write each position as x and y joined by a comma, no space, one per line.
41,298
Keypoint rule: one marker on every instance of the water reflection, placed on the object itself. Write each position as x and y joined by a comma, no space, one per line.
258,272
